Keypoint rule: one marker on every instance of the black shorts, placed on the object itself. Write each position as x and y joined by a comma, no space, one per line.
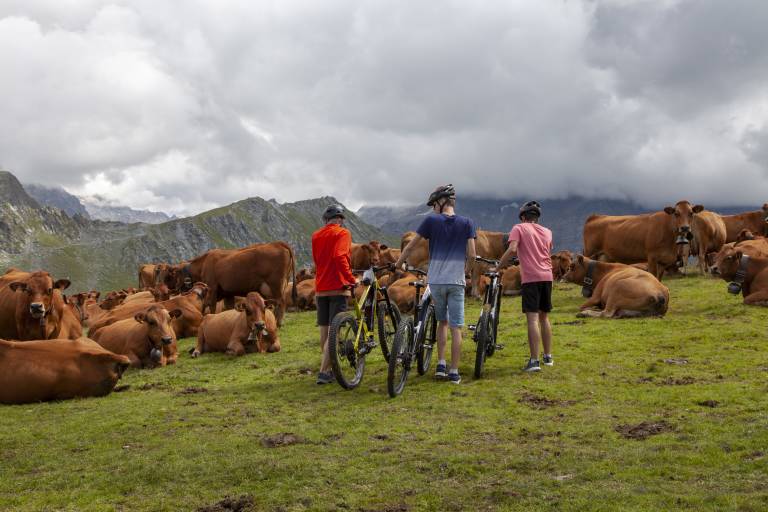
328,307
537,297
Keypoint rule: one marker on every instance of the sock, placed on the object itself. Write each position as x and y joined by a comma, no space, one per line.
453,371
442,362
547,355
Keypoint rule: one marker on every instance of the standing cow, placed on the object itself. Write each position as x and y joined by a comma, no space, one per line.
29,308
709,234
755,221
651,237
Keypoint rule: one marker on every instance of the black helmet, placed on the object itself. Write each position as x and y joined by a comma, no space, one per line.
530,207
440,193
335,210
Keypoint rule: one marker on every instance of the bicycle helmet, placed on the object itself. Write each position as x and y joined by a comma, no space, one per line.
440,193
335,210
530,207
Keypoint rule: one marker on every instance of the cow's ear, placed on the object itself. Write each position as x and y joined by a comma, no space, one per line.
176,313
698,208
270,304
669,210
581,259
139,317
18,286
62,284
240,306
383,247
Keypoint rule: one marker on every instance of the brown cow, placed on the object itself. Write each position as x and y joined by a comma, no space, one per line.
709,235
419,256
561,262
265,268
402,293
746,234
250,327
304,274
618,290
365,255
29,308
147,339
113,299
511,284
648,237
751,281
754,221
58,369
148,275
143,297
490,245
190,304
73,317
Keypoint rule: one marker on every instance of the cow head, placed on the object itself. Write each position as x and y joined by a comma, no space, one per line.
577,270
160,292
744,234
254,308
113,299
39,288
682,215
77,302
200,289
726,262
94,295
304,274
561,263
157,322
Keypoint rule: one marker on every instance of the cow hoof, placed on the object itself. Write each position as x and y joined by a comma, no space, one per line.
194,354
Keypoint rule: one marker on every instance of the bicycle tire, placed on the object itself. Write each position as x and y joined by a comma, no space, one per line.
400,357
481,337
491,348
341,338
387,326
428,334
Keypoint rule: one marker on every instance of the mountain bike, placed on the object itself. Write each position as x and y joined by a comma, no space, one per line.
351,336
487,327
414,340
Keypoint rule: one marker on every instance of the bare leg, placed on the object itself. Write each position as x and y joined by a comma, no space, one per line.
442,338
455,347
546,332
534,335
325,365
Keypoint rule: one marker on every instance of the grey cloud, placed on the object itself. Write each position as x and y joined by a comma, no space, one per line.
180,110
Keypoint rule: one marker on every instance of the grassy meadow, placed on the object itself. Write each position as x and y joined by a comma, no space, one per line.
641,414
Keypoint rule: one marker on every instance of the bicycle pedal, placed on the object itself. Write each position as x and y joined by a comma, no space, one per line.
471,327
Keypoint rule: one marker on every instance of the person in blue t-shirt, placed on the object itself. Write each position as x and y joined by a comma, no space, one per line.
451,243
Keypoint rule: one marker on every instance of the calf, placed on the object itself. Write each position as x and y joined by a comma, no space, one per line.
147,339
746,274
250,327
57,369
622,291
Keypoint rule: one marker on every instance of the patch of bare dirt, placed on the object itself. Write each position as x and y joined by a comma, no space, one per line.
150,385
682,381
229,504
540,402
708,403
281,439
676,361
755,455
193,390
573,322
644,430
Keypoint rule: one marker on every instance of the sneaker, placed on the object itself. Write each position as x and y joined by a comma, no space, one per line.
441,371
454,378
532,366
325,377
547,360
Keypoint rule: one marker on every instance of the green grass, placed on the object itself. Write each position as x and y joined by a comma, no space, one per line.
477,446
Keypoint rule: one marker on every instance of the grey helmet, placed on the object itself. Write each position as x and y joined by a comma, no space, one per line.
440,193
335,210
530,207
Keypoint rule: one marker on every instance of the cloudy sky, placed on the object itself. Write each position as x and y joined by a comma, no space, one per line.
186,105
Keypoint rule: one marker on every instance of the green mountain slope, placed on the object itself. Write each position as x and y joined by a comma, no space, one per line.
106,255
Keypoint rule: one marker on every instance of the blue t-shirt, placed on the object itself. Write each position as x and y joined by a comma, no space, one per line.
447,237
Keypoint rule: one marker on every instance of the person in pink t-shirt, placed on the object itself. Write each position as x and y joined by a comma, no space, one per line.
532,243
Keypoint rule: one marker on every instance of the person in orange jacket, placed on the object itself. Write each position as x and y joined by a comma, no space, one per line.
331,251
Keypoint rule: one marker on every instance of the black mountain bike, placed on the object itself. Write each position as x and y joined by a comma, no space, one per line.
351,335
415,338
487,326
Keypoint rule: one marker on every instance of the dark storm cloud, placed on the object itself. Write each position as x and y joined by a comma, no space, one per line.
181,110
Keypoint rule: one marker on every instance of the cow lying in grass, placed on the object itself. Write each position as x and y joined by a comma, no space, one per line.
41,370
147,339
616,290
250,327
747,274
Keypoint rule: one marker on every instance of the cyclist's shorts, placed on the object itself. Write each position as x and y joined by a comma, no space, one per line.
328,307
449,303
537,297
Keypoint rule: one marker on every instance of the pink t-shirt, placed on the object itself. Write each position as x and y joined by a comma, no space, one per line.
534,246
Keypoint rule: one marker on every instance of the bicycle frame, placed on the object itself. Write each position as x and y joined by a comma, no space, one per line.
368,302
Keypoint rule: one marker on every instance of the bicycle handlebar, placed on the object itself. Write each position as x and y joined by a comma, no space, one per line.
388,266
416,271
490,262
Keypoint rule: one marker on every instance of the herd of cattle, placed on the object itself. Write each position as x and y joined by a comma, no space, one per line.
234,301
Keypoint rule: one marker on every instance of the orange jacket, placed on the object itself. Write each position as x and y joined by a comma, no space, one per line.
331,250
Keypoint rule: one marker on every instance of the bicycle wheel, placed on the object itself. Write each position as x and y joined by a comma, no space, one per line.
427,340
387,326
348,365
400,357
482,334
491,348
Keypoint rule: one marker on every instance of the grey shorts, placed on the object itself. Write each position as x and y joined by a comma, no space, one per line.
449,303
328,307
